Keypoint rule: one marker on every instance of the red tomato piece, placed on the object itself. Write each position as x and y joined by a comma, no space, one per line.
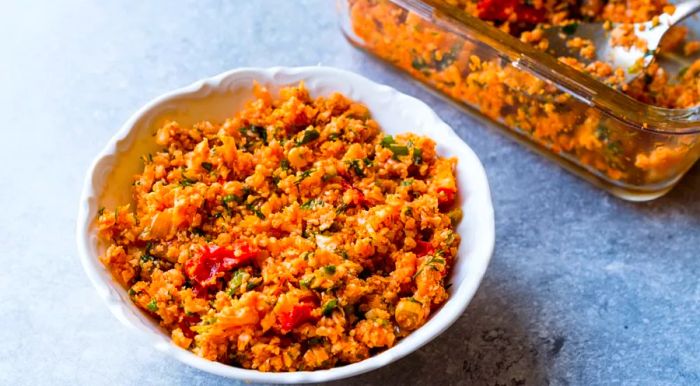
186,321
446,196
423,248
362,201
299,314
501,10
205,269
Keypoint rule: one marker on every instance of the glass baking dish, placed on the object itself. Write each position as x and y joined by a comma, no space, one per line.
634,150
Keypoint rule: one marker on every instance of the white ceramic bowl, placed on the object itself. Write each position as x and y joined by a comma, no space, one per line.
108,182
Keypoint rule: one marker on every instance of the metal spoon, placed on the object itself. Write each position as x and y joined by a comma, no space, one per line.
632,60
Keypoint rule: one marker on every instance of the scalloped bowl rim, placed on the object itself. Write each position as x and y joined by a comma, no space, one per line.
477,206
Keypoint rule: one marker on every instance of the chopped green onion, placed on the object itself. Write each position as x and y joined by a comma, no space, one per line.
329,307
387,141
417,156
398,150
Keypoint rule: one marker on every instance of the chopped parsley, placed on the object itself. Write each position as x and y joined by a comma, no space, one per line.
329,307
417,156
329,269
312,203
304,175
261,132
355,166
308,136
341,208
186,181
207,166
251,207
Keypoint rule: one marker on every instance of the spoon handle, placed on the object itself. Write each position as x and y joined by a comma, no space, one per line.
683,10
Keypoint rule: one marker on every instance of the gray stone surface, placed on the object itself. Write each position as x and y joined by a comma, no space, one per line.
583,287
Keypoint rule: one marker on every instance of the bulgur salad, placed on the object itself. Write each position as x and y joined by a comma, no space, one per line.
293,236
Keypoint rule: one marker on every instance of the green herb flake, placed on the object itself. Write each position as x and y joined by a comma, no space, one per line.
417,273
316,340
132,292
261,132
101,211
256,211
417,156
329,307
284,164
412,299
304,175
329,269
419,64
333,136
236,282
186,181
387,141
398,150
312,203
306,283
434,260
309,135
207,166
343,253
152,305
355,166
341,208
570,29
455,216
615,148
407,182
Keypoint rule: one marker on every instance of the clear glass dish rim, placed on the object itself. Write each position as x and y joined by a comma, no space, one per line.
617,105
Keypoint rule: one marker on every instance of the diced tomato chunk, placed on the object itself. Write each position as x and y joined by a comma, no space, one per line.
446,196
214,260
423,248
299,314
361,201
502,10
186,321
